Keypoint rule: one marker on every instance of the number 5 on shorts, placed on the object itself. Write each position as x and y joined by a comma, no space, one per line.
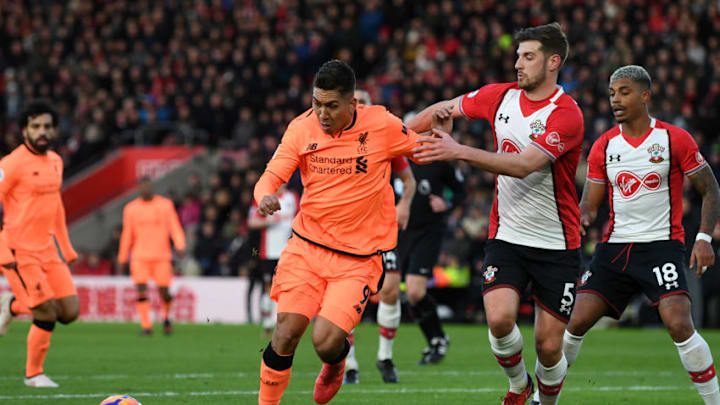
567,299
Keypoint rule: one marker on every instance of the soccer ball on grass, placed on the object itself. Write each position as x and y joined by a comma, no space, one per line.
120,400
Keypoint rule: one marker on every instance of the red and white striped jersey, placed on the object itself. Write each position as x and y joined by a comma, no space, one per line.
274,237
540,210
645,179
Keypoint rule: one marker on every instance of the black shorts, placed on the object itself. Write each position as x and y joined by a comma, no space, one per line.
390,261
553,274
419,250
618,271
267,269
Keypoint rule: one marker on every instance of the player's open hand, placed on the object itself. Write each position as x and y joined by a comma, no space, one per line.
268,205
442,119
442,146
702,257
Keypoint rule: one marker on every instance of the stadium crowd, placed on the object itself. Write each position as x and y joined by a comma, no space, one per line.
232,74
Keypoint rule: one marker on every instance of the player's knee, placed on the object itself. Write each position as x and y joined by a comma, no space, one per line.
285,339
548,349
680,328
68,317
389,295
578,325
45,311
415,295
500,325
328,347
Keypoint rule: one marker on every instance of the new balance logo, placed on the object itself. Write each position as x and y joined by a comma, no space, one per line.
360,165
502,117
612,158
311,147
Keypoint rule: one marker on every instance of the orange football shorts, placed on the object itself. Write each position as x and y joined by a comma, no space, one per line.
40,276
159,270
311,280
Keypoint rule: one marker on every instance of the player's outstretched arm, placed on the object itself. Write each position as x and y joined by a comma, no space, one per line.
403,206
443,147
592,196
705,183
423,122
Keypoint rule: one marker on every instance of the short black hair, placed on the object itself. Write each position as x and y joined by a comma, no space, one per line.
35,108
335,75
551,37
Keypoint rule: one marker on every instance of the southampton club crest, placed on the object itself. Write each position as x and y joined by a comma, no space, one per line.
489,274
584,278
655,152
536,129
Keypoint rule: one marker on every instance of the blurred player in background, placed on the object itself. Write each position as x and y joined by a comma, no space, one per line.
389,311
640,164
149,222
332,264
419,247
535,221
30,181
275,230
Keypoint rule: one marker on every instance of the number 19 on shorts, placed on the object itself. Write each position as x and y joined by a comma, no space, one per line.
667,275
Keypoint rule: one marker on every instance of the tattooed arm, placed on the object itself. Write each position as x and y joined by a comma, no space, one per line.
704,182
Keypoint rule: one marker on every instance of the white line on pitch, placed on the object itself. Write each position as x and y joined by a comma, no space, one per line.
184,376
358,391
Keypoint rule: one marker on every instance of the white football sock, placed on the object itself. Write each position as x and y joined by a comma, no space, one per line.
508,351
696,358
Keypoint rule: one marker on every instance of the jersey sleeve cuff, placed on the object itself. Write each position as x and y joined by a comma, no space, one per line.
696,169
545,151
460,106
594,180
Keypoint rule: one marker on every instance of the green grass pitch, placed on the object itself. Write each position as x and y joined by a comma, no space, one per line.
218,364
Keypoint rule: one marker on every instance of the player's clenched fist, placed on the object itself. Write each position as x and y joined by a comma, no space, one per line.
268,205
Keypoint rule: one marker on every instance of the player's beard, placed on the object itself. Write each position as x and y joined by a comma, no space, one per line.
40,148
530,85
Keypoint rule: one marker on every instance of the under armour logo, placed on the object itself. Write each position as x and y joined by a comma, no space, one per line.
501,117
611,158
361,165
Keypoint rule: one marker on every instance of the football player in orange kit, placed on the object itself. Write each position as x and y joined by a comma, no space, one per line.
333,262
30,181
149,222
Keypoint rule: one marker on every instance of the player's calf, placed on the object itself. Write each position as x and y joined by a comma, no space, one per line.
550,380
696,358
275,371
508,352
